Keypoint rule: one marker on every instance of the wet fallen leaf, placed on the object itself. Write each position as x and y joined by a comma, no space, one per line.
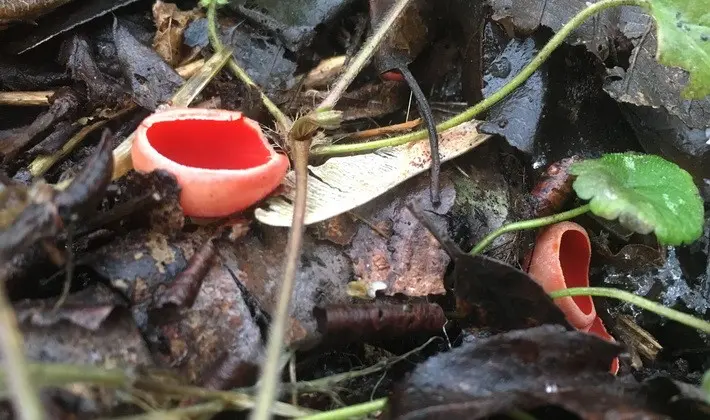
215,342
139,261
152,80
649,95
261,58
73,15
23,74
408,260
648,91
528,15
322,278
339,230
517,117
521,370
77,55
493,294
294,22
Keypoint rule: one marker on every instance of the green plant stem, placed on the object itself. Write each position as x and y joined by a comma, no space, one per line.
350,411
282,119
470,113
23,392
527,224
639,301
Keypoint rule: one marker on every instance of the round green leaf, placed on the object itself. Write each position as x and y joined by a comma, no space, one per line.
646,193
683,28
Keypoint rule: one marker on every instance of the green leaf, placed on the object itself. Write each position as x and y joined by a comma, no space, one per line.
645,192
683,28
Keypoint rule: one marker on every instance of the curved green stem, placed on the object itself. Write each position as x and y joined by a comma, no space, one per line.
350,411
639,301
527,224
470,113
282,120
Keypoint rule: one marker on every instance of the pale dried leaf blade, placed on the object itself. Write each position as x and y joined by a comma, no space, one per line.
344,183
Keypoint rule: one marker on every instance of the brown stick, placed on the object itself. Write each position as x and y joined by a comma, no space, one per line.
381,131
38,98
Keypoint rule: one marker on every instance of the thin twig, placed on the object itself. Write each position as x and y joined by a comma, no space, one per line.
32,98
381,131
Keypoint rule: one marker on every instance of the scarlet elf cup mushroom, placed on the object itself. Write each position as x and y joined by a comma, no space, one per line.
560,260
221,159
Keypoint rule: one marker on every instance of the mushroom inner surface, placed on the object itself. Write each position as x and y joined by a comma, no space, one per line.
574,260
209,144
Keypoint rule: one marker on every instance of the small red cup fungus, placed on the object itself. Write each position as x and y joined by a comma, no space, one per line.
560,260
392,76
221,159
597,328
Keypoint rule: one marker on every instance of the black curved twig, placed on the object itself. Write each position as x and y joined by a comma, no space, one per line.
428,118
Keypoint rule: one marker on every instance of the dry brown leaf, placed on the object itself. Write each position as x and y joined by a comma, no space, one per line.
171,23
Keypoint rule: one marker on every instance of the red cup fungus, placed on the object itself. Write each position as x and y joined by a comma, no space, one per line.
392,76
221,159
560,260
